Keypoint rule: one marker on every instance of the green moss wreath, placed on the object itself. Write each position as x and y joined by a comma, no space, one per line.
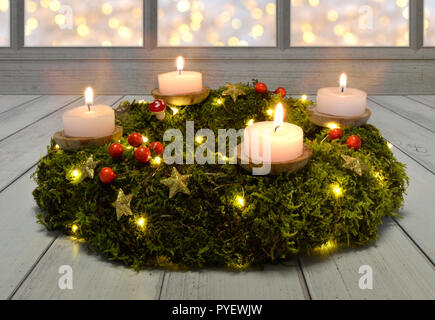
282,215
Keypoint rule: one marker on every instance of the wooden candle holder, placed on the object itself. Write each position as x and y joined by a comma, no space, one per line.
72,144
187,99
277,167
326,120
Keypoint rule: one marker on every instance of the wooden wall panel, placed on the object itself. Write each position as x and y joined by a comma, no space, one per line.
377,77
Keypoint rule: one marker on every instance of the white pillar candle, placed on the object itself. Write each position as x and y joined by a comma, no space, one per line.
180,82
284,141
89,121
341,101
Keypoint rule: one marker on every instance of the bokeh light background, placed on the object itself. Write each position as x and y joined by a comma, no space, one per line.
217,23
205,23
4,23
83,23
350,23
429,23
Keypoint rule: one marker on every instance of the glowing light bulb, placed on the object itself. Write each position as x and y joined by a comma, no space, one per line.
304,98
57,147
390,145
332,125
241,201
343,82
141,222
174,111
74,228
250,122
145,139
199,139
157,160
219,101
270,112
337,190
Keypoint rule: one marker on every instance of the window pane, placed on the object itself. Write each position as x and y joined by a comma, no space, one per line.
83,23
217,23
350,23
429,23
4,23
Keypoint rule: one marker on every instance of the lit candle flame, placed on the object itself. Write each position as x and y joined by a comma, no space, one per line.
279,115
180,65
343,82
89,96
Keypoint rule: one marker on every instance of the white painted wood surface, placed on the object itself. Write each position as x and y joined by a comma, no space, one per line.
411,110
22,116
93,277
22,240
409,137
428,100
399,270
418,212
22,151
11,101
273,283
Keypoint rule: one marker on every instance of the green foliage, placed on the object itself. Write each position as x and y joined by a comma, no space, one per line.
283,215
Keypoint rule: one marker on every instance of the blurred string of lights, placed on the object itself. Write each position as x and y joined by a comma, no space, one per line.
217,23
83,23
350,23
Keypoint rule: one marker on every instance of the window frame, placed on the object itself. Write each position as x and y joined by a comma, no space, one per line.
283,51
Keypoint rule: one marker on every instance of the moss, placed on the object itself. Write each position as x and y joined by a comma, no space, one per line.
283,215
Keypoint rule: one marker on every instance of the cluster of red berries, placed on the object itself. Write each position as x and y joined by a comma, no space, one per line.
141,154
262,88
354,142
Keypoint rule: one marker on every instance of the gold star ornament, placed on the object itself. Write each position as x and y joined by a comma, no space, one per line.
122,204
354,164
177,183
86,170
234,91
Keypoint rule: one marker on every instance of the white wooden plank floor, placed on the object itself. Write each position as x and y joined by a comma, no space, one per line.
402,260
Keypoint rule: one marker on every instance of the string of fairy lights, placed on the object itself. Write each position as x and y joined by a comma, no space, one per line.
217,23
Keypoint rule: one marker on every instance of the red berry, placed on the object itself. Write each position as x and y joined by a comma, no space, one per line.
281,91
335,134
135,139
354,142
261,87
157,147
107,175
142,155
116,151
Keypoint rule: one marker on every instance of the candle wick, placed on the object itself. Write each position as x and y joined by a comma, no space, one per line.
277,128
89,107
179,72
342,90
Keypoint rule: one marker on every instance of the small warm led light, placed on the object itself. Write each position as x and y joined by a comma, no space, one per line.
337,190
219,101
74,228
333,125
304,98
75,173
129,147
326,248
241,201
141,222
145,139
390,145
250,122
270,112
199,139
157,160
57,147
174,111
